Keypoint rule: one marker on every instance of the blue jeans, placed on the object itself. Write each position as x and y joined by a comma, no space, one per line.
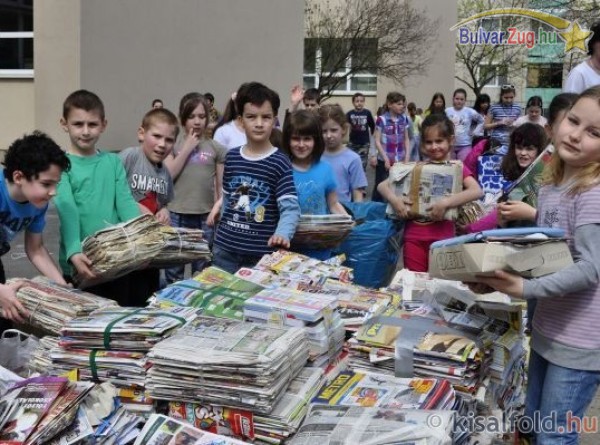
189,221
231,262
553,392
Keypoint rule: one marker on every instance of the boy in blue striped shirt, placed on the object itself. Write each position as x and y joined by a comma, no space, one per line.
259,209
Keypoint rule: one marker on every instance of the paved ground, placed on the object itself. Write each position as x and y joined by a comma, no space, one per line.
16,264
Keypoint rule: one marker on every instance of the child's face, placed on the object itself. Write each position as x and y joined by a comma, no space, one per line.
310,104
508,98
302,148
196,122
333,134
534,113
258,122
525,155
578,136
38,191
396,107
485,106
358,102
157,141
435,145
84,129
458,101
438,102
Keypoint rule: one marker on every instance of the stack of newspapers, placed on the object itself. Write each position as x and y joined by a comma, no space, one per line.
349,425
227,362
50,306
322,231
315,313
295,264
181,246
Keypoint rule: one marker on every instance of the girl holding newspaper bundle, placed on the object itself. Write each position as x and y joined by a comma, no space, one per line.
564,366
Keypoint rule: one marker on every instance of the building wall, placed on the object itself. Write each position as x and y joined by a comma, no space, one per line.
16,117
130,52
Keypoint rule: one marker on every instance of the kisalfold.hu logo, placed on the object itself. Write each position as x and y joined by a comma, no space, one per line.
571,33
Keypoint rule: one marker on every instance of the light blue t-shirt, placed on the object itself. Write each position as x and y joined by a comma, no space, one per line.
16,216
463,119
349,174
313,186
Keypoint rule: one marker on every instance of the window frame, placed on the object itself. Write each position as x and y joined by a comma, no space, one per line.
19,73
497,79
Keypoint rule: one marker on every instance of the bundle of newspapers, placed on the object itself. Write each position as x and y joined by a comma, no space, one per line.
227,362
50,305
160,429
322,231
139,243
349,425
315,313
295,264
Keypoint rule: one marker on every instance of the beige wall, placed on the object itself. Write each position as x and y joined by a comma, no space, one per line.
16,116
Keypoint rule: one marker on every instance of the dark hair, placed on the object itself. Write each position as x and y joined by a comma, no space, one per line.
561,102
209,96
440,120
525,135
504,89
355,95
83,100
256,93
393,97
412,109
276,138
160,115
312,94
535,101
155,101
595,37
33,154
460,90
303,123
188,104
432,108
482,99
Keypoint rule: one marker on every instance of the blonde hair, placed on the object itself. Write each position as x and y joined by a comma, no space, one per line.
588,176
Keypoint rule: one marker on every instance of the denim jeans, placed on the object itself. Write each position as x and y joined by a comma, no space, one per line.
231,262
554,391
189,221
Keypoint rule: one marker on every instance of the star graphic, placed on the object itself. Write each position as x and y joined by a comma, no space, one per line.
575,38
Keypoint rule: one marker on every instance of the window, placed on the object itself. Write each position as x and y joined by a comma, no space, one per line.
545,75
16,38
350,62
497,75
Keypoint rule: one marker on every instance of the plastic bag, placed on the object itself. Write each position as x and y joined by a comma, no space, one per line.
16,349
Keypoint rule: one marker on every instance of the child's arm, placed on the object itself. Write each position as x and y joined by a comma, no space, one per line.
401,205
489,123
289,215
10,307
68,214
380,149
406,146
127,207
40,257
163,216
334,205
296,95
471,191
358,195
219,181
515,211
175,162
213,216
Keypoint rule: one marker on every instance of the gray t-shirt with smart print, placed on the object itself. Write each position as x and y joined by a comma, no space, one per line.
195,185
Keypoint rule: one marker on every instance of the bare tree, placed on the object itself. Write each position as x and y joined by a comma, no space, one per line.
482,62
345,38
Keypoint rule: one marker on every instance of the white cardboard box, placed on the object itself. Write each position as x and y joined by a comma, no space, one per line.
463,262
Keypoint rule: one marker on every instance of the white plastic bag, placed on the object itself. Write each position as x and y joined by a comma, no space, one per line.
16,349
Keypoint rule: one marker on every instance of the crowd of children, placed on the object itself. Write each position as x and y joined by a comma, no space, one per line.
247,190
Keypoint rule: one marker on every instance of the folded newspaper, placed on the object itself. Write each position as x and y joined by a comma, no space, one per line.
426,183
286,262
322,231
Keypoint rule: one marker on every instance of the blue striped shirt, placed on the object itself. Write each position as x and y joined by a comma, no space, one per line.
499,112
252,191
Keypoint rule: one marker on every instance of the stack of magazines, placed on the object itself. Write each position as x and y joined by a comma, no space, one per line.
51,306
165,430
349,425
227,362
288,263
181,246
322,231
315,313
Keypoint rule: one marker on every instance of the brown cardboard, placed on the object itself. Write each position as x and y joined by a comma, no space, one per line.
464,262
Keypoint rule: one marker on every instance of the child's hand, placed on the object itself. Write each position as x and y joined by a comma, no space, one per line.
163,216
516,210
373,161
192,138
296,96
11,307
278,240
83,265
505,282
388,164
438,210
401,206
480,288
213,217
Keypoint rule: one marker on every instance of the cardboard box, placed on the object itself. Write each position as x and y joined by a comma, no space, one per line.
425,183
463,262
